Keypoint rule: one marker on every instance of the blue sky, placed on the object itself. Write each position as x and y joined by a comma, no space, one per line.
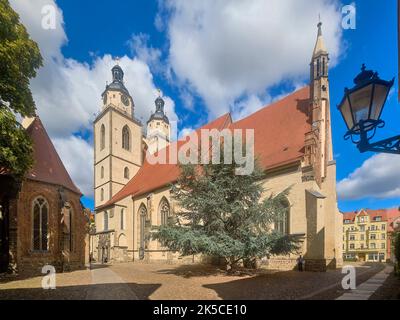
151,33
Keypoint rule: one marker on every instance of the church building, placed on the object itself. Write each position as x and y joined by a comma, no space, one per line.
293,143
42,221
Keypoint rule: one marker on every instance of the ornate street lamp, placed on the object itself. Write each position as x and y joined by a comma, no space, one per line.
361,109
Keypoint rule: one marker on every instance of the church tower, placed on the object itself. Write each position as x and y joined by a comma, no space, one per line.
158,128
117,140
320,108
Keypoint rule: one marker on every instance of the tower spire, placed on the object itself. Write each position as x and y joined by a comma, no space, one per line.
320,47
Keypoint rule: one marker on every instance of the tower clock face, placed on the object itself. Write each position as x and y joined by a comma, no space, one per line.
125,100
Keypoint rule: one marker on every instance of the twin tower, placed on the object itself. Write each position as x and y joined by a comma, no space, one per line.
119,141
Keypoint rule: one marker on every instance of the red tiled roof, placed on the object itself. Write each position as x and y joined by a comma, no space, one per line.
389,215
48,166
279,131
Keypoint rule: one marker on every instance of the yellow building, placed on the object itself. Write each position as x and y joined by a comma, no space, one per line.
365,235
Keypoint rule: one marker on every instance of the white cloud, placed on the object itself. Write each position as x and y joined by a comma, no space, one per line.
185,132
378,177
77,155
225,50
68,93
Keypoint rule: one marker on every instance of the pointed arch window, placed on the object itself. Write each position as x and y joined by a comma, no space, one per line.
282,225
105,220
101,194
164,210
102,172
122,219
40,209
142,230
126,173
68,229
126,138
102,137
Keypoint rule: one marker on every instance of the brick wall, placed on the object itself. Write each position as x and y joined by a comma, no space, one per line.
25,258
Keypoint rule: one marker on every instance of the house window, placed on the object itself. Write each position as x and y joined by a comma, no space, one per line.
164,211
40,208
351,245
282,224
362,237
383,227
361,246
362,228
378,219
352,237
126,173
383,245
373,245
102,137
105,220
126,137
102,172
122,219
383,236
372,236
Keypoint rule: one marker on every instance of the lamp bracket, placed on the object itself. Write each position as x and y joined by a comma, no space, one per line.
389,145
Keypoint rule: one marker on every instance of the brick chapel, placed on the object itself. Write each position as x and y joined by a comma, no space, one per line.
42,221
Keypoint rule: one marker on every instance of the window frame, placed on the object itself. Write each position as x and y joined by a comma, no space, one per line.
45,203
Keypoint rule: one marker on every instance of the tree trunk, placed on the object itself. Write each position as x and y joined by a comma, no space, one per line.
232,264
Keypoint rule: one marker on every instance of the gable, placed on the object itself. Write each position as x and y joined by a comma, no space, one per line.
48,166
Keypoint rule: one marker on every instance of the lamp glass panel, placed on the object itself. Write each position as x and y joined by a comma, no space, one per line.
380,95
346,113
360,103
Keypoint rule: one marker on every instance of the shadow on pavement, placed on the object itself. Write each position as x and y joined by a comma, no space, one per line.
143,291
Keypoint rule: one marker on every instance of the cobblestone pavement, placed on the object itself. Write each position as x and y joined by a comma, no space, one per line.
390,290
364,290
107,285
164,281
69,286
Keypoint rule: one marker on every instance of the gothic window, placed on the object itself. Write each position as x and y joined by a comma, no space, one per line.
105,221
282,224
142,215
126,173
323,66
122,219
318,67
164,210
102,172
126,137
102,137
40,224
68,230
101,194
